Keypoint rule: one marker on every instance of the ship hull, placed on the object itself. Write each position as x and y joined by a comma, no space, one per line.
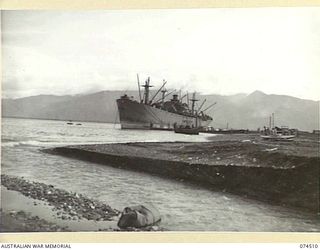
135,115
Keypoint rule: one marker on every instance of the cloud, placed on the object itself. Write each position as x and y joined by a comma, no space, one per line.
223,51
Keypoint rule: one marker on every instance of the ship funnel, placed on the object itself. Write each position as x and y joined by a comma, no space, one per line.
175,97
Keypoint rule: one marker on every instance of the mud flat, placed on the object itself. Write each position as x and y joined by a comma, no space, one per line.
285,173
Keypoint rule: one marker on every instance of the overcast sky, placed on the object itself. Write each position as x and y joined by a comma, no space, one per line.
219,51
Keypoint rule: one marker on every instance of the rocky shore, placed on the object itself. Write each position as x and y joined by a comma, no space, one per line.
69,205
66,207
285,173
69,208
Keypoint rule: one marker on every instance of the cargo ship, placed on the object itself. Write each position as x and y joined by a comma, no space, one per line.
152,113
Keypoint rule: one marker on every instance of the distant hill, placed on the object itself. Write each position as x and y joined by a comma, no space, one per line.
236,111
253,111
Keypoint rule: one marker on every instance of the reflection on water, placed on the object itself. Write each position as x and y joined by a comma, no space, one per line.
183,206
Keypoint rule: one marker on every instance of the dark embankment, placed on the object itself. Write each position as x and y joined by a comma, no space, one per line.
252,169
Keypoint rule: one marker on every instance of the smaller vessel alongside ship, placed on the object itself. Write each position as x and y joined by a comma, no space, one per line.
159,113
283,133
187,128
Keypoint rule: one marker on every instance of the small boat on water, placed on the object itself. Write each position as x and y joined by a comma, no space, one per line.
70,123
282,133
187,130
278,137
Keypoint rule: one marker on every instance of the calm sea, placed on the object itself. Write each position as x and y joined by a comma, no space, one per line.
182,206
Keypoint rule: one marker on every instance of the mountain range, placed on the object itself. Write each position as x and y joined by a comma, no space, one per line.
234,111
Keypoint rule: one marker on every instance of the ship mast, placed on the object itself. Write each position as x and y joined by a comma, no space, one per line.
272,120
146,90
139,88
188,100
163,96
193,100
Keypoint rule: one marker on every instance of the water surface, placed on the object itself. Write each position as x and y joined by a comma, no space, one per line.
182,206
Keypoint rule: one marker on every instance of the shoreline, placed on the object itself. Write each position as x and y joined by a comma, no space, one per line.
56,206
21,221
281,173
38,207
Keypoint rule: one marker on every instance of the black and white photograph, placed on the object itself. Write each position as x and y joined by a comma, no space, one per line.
160,120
